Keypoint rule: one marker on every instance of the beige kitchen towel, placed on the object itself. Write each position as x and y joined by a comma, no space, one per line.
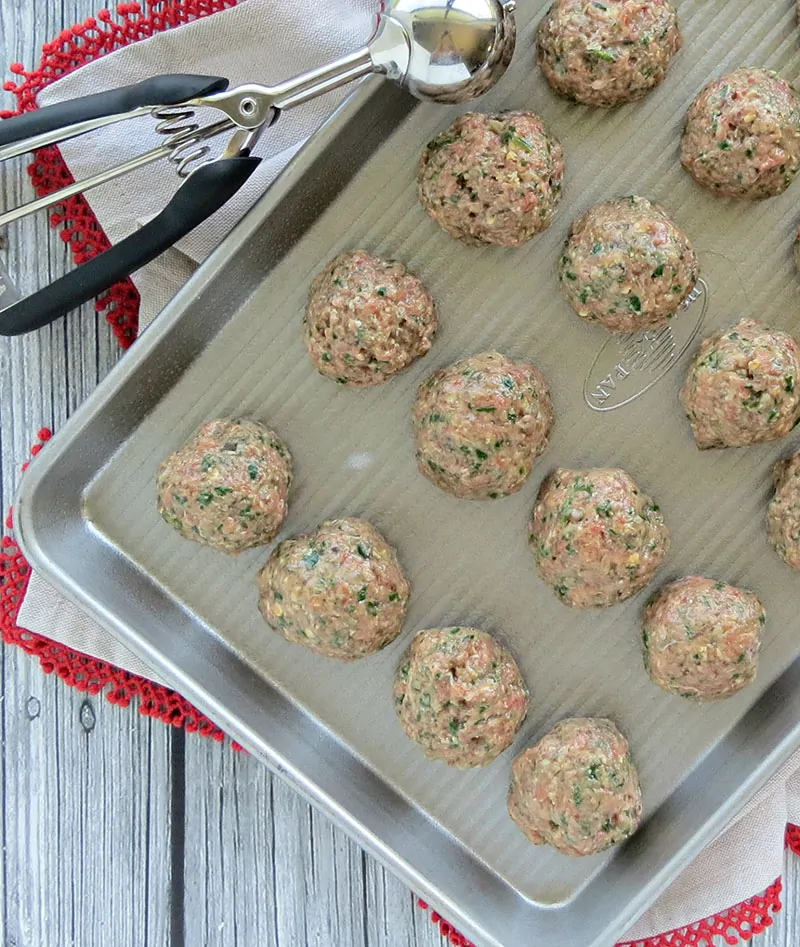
265,41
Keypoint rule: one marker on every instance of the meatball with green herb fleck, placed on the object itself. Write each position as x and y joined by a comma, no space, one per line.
492,179
597,539
577,789
367,319
702,637
460,696
743,387
480,424
227,487
742,135
608,53
627,265
783,516
340,590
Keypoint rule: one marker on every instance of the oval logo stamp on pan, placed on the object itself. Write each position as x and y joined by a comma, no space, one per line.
629,365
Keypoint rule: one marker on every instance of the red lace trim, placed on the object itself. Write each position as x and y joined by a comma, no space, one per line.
80,229
72,48
740,923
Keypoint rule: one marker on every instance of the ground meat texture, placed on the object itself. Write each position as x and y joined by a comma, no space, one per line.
742,135
460,696
743,387
340,590
627,265
492,178
610,52
480,425
227,487
702,638
597,539
367,319
577,789
783,516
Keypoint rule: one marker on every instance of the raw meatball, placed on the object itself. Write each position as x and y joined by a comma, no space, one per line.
577,789
598,540
492,178
783,516
702,638
227,487
742,135
460,695
627,265
607,53
367,319
480,424
743,387
340,590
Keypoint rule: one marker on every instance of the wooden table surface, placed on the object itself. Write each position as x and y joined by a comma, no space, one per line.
118,831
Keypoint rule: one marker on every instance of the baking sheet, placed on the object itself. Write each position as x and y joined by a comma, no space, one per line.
468,562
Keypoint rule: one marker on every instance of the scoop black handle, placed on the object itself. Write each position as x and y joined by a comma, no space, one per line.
159,90
204,192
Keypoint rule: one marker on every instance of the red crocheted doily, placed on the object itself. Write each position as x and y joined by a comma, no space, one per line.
80,229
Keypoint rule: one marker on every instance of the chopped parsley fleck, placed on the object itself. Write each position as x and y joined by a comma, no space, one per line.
441,141
481,454
339,283
508,383
363,552
362,595
277,596
394,597
725,145
789,383
577,795
205,498
310,559
603,54
658,271
208,462
568,274
223,491
512,137
753,401
591,771
604,509
326,357
635,304
381,290
252,471
455,726
485,410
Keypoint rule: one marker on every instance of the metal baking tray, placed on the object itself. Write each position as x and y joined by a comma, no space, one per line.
230,343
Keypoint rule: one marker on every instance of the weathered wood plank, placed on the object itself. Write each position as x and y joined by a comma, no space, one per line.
262,867
84,842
